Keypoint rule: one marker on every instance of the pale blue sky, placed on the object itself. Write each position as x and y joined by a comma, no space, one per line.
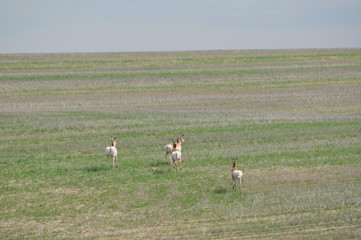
28,26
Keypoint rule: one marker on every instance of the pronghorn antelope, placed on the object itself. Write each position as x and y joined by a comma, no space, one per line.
236,175
169,147
176,154
112,152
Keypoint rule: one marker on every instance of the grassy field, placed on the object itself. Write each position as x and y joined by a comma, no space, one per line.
291,117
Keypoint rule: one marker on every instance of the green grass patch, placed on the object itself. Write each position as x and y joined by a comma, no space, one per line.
291,118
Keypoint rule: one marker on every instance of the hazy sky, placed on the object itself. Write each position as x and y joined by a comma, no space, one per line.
166,25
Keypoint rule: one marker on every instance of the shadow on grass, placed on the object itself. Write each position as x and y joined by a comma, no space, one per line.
158,164
96,169
220,190
161,171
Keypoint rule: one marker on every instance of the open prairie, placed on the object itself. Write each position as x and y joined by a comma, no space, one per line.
292,118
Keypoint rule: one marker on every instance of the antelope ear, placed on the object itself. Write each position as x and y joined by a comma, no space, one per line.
115,138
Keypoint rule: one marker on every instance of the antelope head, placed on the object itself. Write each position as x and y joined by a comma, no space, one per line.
234,162
113,140
180,138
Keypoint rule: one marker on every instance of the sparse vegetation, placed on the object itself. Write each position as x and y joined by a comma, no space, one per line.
291,117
